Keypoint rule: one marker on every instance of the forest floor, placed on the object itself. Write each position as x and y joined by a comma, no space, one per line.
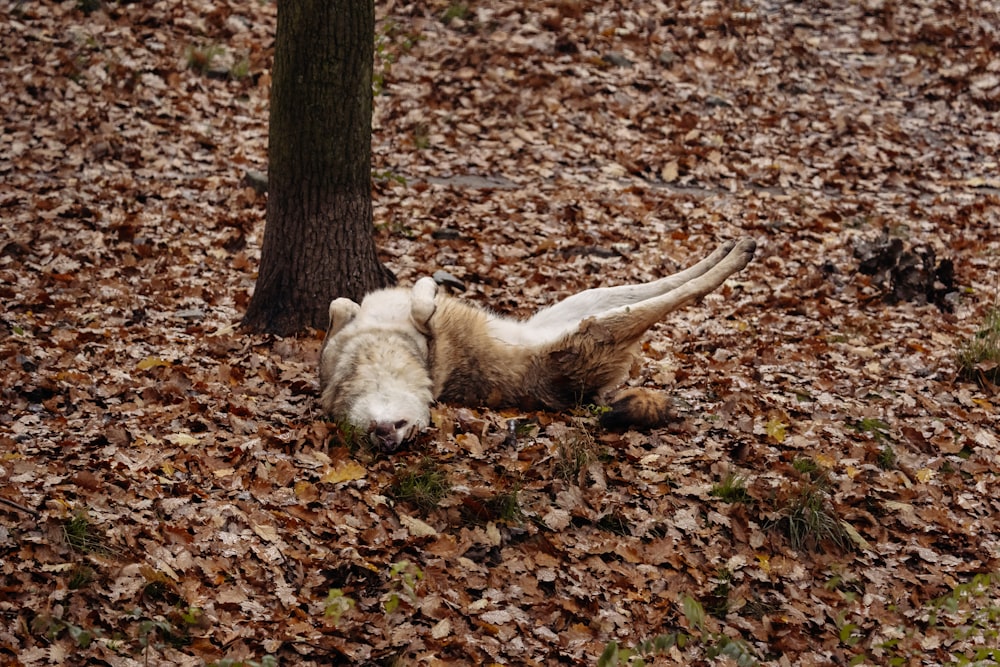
828,493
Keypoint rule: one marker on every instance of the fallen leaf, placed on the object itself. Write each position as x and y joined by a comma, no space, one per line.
556,519
266,532
151,362
441,629
669,172
775,429
181,439
344,471
417,527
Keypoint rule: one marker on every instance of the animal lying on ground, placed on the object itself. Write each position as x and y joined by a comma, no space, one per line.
384,362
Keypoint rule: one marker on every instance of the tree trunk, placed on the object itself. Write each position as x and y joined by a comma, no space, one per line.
318,238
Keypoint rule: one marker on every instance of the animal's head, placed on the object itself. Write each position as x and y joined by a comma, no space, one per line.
374,367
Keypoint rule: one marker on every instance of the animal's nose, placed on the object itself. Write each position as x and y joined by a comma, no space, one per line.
390,435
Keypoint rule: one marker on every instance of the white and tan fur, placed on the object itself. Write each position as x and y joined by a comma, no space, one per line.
385,362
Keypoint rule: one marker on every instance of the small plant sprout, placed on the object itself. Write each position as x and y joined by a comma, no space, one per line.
266,661
240,69
421,136
880,433
716,644
51,627
336,605
877,428
403,579
718,600
160,633
615,522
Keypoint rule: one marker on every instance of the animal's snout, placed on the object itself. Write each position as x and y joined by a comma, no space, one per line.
390,435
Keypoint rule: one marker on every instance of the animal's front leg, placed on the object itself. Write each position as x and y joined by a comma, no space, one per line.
422,305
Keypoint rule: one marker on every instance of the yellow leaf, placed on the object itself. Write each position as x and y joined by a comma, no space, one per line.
924,475
306,491
825,460
775,429
345,471
151,362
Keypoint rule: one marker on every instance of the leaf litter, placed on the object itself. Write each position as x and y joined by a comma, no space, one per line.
171,495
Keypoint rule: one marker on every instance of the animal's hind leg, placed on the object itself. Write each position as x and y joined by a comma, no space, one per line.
602,299
626,324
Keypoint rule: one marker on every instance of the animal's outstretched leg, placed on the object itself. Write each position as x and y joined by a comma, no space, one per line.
596,301
626,324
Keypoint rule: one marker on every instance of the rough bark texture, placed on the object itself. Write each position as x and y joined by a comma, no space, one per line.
318,238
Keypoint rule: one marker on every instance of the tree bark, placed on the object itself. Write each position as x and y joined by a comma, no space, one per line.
318,237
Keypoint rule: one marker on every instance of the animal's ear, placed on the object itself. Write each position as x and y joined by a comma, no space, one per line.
422,305
342,311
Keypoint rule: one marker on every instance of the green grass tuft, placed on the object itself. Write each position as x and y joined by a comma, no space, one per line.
81,535
506,506
424,485
810,520
979,357
886,458
807,466
456,10
732,489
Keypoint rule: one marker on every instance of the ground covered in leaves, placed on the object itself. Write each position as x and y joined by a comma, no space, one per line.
169,493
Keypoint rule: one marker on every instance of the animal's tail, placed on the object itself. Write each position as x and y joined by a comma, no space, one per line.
637,408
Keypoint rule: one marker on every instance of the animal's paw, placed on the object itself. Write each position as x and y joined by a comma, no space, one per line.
745,249
342,311
725,247
422,304
637,408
